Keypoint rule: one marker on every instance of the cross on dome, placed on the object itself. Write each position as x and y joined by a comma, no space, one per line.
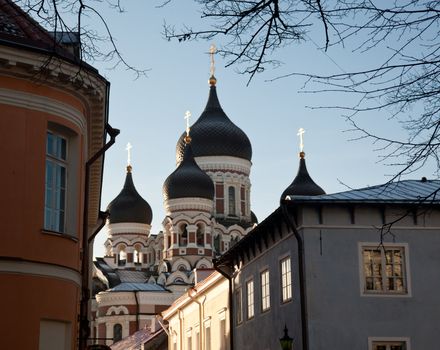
300,133
212,52
128,149
186,117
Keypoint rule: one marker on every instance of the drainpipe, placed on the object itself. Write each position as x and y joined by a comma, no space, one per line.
231,312
137,310
302,280
181,327
191,293
84,328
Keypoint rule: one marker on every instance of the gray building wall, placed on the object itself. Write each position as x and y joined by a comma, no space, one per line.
340,315
265,329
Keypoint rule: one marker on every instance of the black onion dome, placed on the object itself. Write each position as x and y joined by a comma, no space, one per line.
214,134
302,185
188,180
129,206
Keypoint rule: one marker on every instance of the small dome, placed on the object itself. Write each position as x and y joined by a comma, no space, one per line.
129,206
302,185
214,134
188,180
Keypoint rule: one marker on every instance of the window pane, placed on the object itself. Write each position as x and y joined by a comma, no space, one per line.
231,193
383,270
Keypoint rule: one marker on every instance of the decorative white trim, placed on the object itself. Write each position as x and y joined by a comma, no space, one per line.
224,163
117,310
178,262
188,204
43,104
40,270
128,227
406,340
68,73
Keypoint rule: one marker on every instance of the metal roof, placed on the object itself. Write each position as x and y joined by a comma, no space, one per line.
143,287
405,192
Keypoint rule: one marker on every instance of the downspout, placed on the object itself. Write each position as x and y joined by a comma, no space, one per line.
181,327
231,312
302,280
84,328
201,314
137,309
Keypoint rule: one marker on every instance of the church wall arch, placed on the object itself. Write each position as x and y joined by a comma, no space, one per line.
177,265
177,276
117,310
204,264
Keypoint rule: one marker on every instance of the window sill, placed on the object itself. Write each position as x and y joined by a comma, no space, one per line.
386,294
60,234
287,301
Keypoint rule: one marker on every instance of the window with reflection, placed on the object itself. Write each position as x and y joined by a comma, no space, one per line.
200,235
231,197
183,235
117,332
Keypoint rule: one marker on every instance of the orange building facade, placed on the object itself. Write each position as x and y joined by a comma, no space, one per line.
53,114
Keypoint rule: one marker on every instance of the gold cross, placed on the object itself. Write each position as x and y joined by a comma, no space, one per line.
300,133
128,149
187,116
212,52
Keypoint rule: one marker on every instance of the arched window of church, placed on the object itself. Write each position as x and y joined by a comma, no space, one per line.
217,244
137,254
117,332
200,235
168,237
183,235
122,256
231,192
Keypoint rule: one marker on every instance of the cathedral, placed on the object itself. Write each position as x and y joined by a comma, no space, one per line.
207,205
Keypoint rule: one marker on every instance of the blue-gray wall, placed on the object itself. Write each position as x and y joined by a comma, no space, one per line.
340,316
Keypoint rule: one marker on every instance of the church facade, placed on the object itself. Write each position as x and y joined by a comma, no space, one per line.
207,204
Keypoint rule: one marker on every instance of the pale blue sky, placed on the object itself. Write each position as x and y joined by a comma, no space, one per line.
149,111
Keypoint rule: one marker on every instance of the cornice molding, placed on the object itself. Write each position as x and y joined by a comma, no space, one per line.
43,104
37,269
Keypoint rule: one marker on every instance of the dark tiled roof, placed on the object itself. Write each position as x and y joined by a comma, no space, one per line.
188,180
109,273
214,134
142,287
129,206
17,27
405,191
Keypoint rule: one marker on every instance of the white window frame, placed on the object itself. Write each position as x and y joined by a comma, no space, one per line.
372,341
286,285
265,290
52,203
72,179
406,268
250,299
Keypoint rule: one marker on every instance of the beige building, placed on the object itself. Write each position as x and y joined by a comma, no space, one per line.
199,319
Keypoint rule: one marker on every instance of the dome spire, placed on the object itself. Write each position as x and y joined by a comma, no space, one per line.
302,184
212,51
